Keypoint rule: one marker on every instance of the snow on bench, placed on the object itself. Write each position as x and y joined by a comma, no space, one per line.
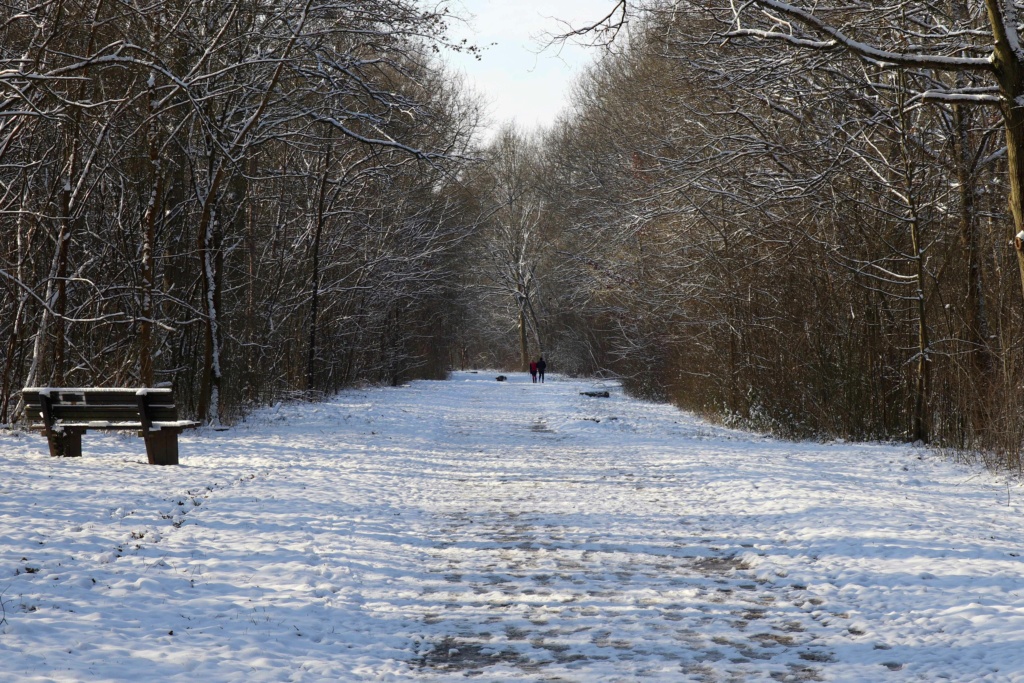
65,413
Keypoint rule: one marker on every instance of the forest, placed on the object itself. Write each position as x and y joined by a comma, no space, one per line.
795,218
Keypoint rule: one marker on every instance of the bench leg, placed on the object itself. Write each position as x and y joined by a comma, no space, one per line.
67,444
162,447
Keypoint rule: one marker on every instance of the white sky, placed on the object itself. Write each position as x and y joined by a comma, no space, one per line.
516,77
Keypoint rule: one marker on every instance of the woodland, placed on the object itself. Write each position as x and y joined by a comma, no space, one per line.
796,218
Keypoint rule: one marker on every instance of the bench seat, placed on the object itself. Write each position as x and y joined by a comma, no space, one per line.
65,413
156,425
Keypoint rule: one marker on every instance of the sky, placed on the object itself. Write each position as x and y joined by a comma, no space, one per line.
517,78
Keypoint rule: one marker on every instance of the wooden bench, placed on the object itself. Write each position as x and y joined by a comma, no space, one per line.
64,414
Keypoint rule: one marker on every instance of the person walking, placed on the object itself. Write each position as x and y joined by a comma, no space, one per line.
533,370
541,366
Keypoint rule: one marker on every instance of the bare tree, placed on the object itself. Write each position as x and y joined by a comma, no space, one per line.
157,223
513,241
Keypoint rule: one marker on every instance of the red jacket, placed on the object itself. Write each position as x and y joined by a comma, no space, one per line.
533,367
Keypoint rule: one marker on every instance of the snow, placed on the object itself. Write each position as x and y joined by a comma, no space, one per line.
48,391
149,391
504,531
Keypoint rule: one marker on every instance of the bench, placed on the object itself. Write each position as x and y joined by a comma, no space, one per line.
64,414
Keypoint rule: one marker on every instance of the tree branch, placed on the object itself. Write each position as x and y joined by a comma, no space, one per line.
885,58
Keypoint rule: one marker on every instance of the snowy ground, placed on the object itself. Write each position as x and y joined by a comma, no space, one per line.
504,532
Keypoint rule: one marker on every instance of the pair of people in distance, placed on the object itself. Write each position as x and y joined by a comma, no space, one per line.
537,368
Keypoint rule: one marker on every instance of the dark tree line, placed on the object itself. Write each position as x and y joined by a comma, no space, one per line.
760,218
244,199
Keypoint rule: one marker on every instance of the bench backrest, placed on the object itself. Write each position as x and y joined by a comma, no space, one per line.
46,405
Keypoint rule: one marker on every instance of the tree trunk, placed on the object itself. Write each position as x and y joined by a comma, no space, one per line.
209,391
14,342
314,303
1010,74
6,388
534,324
1014,115
148,317
524,351
60,303
922,385
977,322
922,381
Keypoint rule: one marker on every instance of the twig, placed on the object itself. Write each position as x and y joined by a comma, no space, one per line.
3,607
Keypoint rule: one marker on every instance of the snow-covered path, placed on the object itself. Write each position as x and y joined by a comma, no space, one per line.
502,532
